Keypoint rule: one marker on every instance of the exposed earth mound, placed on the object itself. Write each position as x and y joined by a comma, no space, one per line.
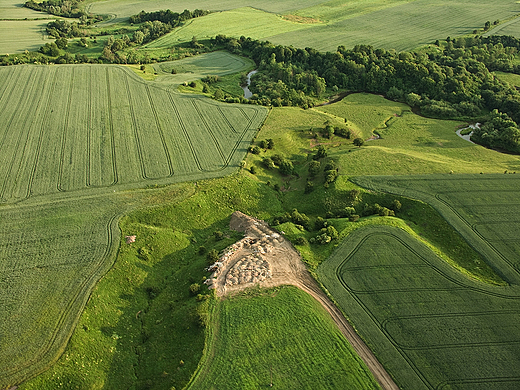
263,257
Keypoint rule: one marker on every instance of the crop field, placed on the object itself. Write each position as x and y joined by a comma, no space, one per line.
23,35
76,127
483,208
52,255
217,63
122,9
409,143
21,28
510,27
431,327
401,25
274,335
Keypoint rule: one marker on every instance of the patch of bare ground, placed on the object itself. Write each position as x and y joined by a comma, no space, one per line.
300,19
265,258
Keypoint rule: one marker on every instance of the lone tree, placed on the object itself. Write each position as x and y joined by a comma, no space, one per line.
359,142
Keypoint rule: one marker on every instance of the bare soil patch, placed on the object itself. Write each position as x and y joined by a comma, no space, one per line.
265,258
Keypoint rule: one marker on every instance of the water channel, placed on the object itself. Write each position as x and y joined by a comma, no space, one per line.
247,92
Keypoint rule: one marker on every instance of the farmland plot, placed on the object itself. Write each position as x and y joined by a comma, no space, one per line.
431,326
51,257
69,128
483,208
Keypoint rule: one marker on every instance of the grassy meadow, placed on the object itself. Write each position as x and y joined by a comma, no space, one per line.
409,143
258,341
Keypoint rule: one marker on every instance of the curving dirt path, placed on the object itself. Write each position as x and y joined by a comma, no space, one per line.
286,268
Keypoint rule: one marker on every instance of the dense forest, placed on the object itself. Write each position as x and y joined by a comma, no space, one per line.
454,81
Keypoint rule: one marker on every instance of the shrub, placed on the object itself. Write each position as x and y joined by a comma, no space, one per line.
309,187
349,211
343,132
353,218
193,84
358,142
252,170
219,95
396,205
218,235
144,254
328,131
314,168
212,256
194,288
277,159
256,150
320,223
286,167
202,250
300,241
320,153
268,163
330,176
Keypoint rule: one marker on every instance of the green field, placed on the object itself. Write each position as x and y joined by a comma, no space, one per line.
52,255
21,28
217,63
122,9
511,78
510,27
74,140
259,337
483,208
400,25
429,326
71,128
249,22
409,144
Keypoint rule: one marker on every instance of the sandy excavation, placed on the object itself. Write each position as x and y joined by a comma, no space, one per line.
262,257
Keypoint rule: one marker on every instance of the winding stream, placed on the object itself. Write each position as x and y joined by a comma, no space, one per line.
247,92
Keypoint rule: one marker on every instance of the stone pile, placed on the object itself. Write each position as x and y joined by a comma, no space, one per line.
249,269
